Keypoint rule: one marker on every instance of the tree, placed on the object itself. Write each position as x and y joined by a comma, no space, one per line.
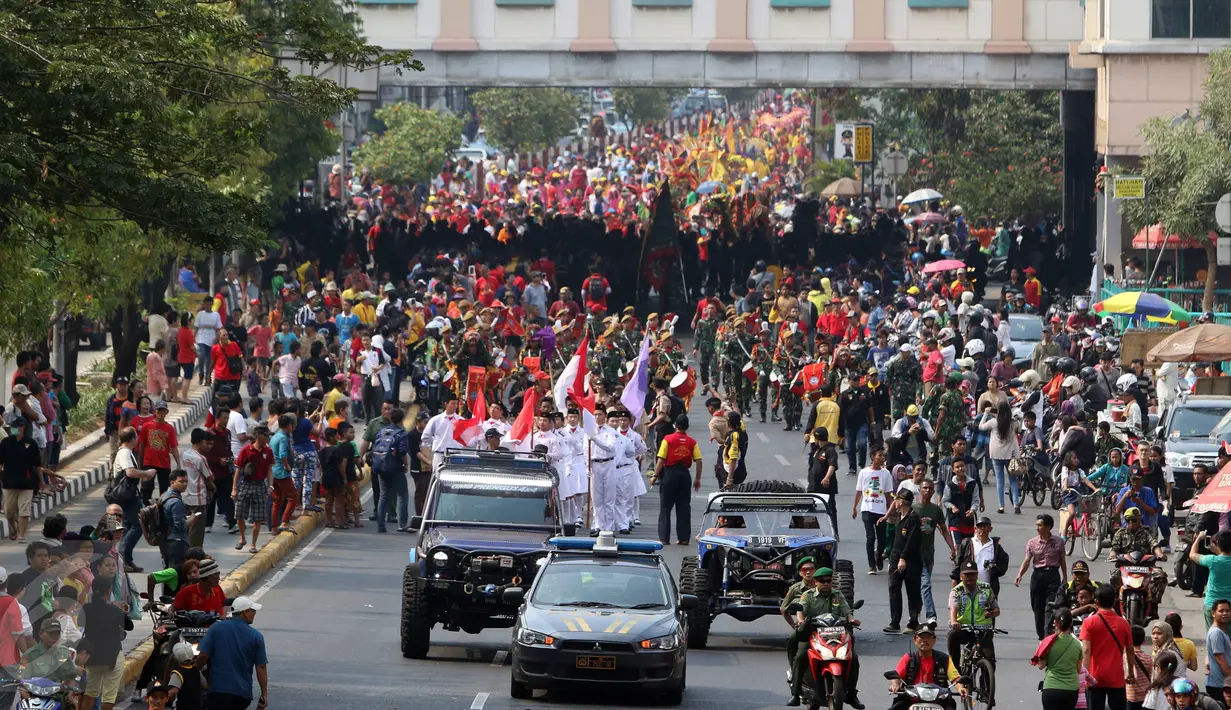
638,106
1187,167
415,143
526,120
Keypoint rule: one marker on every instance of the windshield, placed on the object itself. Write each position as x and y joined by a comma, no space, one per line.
1194,422
603,585
1028,330
767,522
481,503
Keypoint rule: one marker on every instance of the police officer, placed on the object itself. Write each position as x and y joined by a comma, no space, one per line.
972,603
822,599
676,452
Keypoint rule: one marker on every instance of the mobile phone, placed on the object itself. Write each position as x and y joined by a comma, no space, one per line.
471,271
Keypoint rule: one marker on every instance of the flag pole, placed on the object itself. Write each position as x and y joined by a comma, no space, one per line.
590,475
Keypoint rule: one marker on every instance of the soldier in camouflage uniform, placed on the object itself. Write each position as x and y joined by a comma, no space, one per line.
736,349
763,359
904,375
704,342
628,340
842,367
790,359
952,414
609,361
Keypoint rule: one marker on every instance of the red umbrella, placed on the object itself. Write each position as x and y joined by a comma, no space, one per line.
1172,241
1217,495
944,265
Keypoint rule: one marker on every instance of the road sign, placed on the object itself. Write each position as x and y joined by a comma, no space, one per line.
1130,187
1222,213
863,144
894,165
844,141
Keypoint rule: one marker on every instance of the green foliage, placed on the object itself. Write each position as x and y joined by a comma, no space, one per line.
825,172
526,120
643,105
413,146
1187,167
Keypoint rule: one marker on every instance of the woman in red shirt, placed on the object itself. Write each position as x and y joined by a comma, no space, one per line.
186,355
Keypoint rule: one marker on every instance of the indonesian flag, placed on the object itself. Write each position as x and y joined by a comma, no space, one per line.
468,431
574,384
524,424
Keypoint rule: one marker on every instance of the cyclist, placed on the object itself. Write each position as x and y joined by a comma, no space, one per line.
925,665
972,603
820,600
1183,695
1112,476
1076,484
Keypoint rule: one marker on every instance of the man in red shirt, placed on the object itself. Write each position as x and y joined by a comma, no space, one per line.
205,595
709,300
1033,289
250,488
223,353
1107,648
158,446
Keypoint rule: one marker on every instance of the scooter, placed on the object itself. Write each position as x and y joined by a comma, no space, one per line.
1138,577
830,653
39,693
925,696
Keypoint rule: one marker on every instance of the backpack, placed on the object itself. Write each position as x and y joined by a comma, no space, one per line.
595,289
677,408
153,523
385,457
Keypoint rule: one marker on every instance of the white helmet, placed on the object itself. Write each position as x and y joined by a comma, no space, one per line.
1125,381
975,347
1072,381
1030,378
968,297
957,209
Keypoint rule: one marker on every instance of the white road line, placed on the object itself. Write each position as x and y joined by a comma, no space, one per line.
499,659
803,482
307,550
762,437
782,459
479,701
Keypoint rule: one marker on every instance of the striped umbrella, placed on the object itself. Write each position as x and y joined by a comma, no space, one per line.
1139,304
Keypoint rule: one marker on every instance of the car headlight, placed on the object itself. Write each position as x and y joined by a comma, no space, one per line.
928,695
530,637
1178,460
441,558
662,643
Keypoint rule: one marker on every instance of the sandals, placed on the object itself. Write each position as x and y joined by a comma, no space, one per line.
240,545
252,550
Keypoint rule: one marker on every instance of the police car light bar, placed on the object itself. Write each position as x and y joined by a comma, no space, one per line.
595,545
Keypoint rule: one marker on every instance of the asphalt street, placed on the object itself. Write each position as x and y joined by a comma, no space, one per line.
331,620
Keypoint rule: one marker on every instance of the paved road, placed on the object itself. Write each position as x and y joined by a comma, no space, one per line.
331,623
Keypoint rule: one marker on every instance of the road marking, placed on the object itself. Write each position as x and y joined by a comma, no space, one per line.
479,701
762,437
498,661
307,550
803,482
782,460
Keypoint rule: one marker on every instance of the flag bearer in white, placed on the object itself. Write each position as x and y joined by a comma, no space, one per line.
573,484
630,483
604,446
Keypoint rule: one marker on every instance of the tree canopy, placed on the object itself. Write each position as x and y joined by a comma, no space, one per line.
526,120
413,146
643,105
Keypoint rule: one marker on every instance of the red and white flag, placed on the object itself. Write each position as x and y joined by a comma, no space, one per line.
468,431
574,384
518,437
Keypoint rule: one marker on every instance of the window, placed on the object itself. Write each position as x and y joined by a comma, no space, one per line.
1190,19
662,3
525,3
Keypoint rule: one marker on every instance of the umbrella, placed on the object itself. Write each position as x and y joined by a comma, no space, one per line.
706,188
926,195
1155,239
1140,304
926,218
842,187
944,265
1208,342
1217,495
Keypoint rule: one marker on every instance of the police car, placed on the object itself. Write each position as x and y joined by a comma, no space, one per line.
601,612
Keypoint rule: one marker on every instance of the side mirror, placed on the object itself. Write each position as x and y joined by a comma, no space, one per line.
857,605
688,602
570,529
892,675
416,522
513,596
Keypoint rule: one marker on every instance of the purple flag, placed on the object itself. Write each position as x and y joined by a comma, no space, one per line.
633,398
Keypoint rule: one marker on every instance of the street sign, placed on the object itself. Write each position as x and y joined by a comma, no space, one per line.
894,165
844,141
863,144
1222,214
1130,187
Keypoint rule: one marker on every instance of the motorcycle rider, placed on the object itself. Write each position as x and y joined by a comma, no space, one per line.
47,658
806,568
1133,536
924,665
822,599
1185,696
972,602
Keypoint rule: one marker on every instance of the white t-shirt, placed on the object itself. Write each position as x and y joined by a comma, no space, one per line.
874,484
984,553
124,460
198,473
208,324
236,425
158,330
909,485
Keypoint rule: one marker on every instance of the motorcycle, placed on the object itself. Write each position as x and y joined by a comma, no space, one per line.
830,653
925,696
39,693
1141,584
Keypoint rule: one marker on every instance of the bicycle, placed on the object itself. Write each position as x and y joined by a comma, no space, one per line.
1031,482
977,667
1089,524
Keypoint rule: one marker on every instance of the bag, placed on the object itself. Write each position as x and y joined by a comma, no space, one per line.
1020,465
235,364
153,523
385,457
595,290
121,489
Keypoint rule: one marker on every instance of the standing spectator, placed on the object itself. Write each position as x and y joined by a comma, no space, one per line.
1218,650
283,468
374,427
1045,557
175,517
676,452
855,423
1107,651
1002,448
931,519
959,503
1139,685
420,460
390,461
1218,584
905,563
1060,659
307,463
233,650
156,370
185,355
200,483
872,491
158,447
113,411
19,457
105,625
987,554
250,489
124,466
208,325
228,362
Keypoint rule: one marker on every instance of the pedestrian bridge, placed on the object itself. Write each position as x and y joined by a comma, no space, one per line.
999,44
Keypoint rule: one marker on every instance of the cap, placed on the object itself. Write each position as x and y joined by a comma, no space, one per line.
912,410
22,390
906,348
969,566
339,378
492,433
422,415
872,371
254,302
4,575
244,604
1080,566
280,268
50,626
390,287
1132,513
822,572
157,687
312,294
983,521
161,404
925,630
208,567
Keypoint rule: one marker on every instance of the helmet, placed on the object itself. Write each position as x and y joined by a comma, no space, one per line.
1182,686
1030,378
1082,304
1088,375
968,297
1067,365
1123,382
975,347
1070,382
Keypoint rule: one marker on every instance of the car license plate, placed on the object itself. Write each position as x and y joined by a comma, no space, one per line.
597,663
766,540
926,706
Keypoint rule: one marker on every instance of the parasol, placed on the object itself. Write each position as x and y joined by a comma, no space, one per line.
926,195
926,218
944,265
706,188
1216,497
842,187
1140,304
1208,342
1155,239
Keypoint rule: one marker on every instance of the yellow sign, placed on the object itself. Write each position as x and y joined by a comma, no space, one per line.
1130,187
863,144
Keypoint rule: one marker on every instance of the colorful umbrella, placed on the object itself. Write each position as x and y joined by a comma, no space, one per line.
1139,304
926,218
944,265
706,188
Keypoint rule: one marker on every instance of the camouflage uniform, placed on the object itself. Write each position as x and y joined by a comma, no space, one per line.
763,358
790,360
1126,541
610,360
707,329
953,424
737,349
905,378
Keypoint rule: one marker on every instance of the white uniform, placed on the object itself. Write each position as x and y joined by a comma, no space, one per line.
439,430
629,480
572,467
603,466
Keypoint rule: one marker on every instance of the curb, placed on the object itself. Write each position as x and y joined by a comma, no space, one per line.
239,580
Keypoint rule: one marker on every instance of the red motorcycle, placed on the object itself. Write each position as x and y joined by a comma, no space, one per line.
831,656
1141,587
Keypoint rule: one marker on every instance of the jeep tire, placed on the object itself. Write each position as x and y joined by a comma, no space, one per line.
844,579
695,581
416,619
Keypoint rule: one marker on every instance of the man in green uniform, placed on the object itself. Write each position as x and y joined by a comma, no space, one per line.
806,567
47,658
953,415
905,378
704,344
789,360
736,350
609,361
820,600
763,359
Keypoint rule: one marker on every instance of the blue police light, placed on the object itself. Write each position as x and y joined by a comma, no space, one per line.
588,544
